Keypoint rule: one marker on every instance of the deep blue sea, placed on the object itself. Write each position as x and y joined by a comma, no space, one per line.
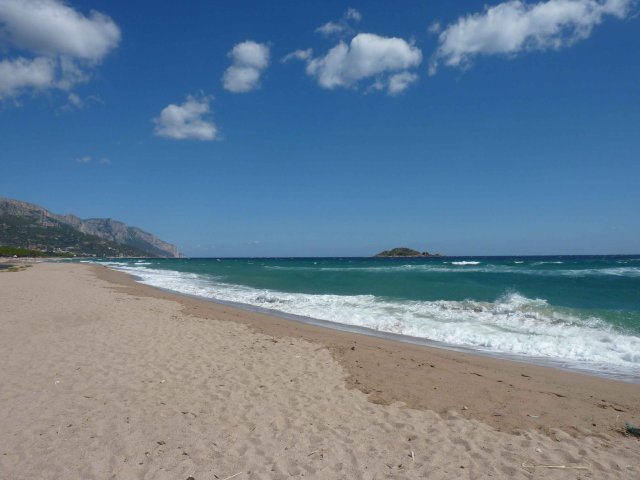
574,312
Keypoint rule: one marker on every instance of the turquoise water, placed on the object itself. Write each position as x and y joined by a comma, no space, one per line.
579,312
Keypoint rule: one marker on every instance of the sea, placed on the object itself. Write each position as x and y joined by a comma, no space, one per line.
572,312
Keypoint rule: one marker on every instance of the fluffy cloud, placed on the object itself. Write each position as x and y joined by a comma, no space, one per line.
189,120
65,44
395,84
514,26
368,56
399,82
49,27
249,60
342,26
20,74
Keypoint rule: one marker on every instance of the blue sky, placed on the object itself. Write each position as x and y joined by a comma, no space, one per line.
458,127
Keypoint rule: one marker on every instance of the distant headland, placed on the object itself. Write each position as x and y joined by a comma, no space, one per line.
406,252
30,230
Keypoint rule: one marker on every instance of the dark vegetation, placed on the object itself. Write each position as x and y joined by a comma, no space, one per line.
49,237
406,252
20,252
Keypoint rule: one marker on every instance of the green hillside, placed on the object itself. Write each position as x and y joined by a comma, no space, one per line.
48,235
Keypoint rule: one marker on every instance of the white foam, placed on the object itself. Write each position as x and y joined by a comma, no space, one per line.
471,267
617,272
111,263
512,324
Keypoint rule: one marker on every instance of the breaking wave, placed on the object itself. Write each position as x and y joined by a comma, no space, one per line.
511,324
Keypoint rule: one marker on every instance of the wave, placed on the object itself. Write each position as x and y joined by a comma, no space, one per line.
512,324
471,267
618,272
109,263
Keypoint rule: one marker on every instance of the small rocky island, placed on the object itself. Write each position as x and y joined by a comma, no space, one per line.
406,252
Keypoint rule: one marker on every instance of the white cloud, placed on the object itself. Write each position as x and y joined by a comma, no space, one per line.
20,74
64,44
50,27
515,26
341,26
249,60
70,74
368,56
85,159
187,121
330,28
104,161
394,84
399,82
353,14
299,54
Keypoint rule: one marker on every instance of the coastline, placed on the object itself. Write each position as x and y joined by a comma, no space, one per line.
527,310
389,371
105,377
358,330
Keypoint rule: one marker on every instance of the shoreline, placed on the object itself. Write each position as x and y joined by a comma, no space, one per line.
106,378
514,314
434,378
552,363
607,371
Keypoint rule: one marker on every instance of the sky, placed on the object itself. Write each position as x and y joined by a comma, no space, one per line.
290,128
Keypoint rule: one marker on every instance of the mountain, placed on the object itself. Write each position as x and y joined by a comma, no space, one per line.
26,225
122,234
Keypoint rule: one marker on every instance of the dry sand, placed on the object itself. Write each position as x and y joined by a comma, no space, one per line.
103,378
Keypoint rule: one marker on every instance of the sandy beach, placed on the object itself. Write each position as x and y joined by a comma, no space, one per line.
105,378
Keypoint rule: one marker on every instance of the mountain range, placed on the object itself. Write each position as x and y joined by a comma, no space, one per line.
26,225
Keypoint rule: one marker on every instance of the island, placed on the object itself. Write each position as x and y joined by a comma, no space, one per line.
406,252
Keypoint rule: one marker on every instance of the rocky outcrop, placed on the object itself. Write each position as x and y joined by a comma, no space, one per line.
104,228
118,232
406,252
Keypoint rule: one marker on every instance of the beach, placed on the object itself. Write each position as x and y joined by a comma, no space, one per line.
103,377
